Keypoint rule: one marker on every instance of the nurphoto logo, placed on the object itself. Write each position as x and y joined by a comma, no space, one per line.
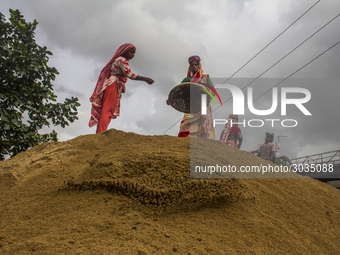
238,105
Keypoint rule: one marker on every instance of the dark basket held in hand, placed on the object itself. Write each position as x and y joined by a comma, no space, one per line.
186,97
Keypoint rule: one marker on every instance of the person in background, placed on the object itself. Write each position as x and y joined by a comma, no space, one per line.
197,125
231,134
110,86
267,150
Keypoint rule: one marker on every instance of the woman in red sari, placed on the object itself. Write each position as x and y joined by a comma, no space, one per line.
197,125
110,86
231,133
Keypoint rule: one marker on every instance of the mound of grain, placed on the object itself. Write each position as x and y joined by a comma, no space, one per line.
123,193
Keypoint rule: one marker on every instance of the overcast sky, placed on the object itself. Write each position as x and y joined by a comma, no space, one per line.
84,34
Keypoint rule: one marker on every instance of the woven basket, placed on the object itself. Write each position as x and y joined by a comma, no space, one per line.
186,97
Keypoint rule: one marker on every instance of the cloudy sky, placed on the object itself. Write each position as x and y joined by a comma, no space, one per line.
84,34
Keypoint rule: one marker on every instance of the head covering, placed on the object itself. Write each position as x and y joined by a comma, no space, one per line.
106,70
269,137
194,58
233,116
199,74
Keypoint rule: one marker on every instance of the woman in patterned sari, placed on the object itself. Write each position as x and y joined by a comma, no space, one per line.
231,133
110,86
197,125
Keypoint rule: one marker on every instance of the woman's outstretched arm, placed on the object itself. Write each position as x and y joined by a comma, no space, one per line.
146,79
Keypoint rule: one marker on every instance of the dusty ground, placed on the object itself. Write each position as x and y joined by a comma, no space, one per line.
123,193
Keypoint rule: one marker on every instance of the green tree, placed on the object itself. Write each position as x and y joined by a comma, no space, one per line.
283,161
27,101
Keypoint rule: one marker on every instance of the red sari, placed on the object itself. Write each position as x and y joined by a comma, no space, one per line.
110,86
228,135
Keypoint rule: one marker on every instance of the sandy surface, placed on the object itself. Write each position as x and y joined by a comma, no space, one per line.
123,193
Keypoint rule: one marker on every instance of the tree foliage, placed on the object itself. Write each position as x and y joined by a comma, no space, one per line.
283,161
27,101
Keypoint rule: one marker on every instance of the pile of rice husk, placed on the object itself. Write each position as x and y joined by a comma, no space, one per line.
124,193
